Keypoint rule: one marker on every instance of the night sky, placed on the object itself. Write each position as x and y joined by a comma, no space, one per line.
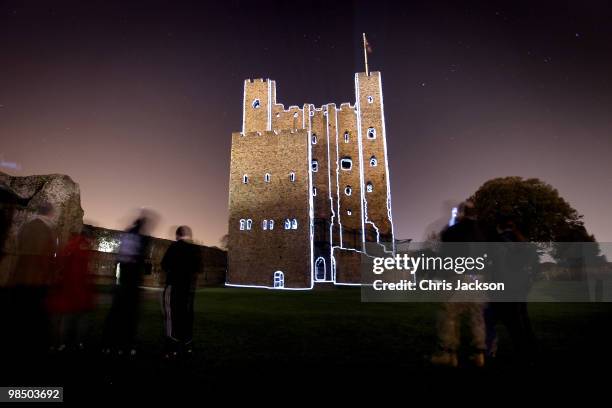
136,101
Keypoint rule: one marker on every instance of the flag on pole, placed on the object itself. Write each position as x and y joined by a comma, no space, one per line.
368,46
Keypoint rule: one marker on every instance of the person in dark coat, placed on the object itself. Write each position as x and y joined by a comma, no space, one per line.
181,263
122,321
517,265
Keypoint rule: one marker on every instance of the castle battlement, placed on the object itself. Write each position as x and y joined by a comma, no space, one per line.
280,107
371,74
283,132
255,80
346,106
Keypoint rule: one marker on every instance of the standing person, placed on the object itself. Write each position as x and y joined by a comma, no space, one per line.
71,297
182,262
515,265
8,201
34,272
465,230
122,320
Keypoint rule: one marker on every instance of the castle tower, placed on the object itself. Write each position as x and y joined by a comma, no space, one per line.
376,195
257,105
322,167
309,188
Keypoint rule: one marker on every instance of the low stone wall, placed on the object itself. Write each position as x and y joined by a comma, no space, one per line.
20,198
104,259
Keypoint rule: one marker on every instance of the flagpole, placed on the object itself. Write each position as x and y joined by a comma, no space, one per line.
365,54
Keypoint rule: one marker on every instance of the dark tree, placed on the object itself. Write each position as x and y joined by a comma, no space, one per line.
536,207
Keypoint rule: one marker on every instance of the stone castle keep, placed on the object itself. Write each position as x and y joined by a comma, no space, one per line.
309,188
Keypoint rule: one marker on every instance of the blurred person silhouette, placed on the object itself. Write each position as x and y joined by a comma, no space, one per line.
181,263
9,201
71,297
7,204
122,320
34,271
515,264
467,229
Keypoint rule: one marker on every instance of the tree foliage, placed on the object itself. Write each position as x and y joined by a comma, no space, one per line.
536,207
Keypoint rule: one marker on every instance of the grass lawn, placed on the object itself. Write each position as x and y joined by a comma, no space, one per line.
328,337
240,328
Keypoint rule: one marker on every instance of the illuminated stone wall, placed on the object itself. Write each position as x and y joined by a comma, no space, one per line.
351,203
256,252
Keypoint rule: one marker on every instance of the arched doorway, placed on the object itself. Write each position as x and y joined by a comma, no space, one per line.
320,269
279,279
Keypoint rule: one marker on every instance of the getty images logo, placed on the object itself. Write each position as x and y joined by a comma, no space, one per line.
413,264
